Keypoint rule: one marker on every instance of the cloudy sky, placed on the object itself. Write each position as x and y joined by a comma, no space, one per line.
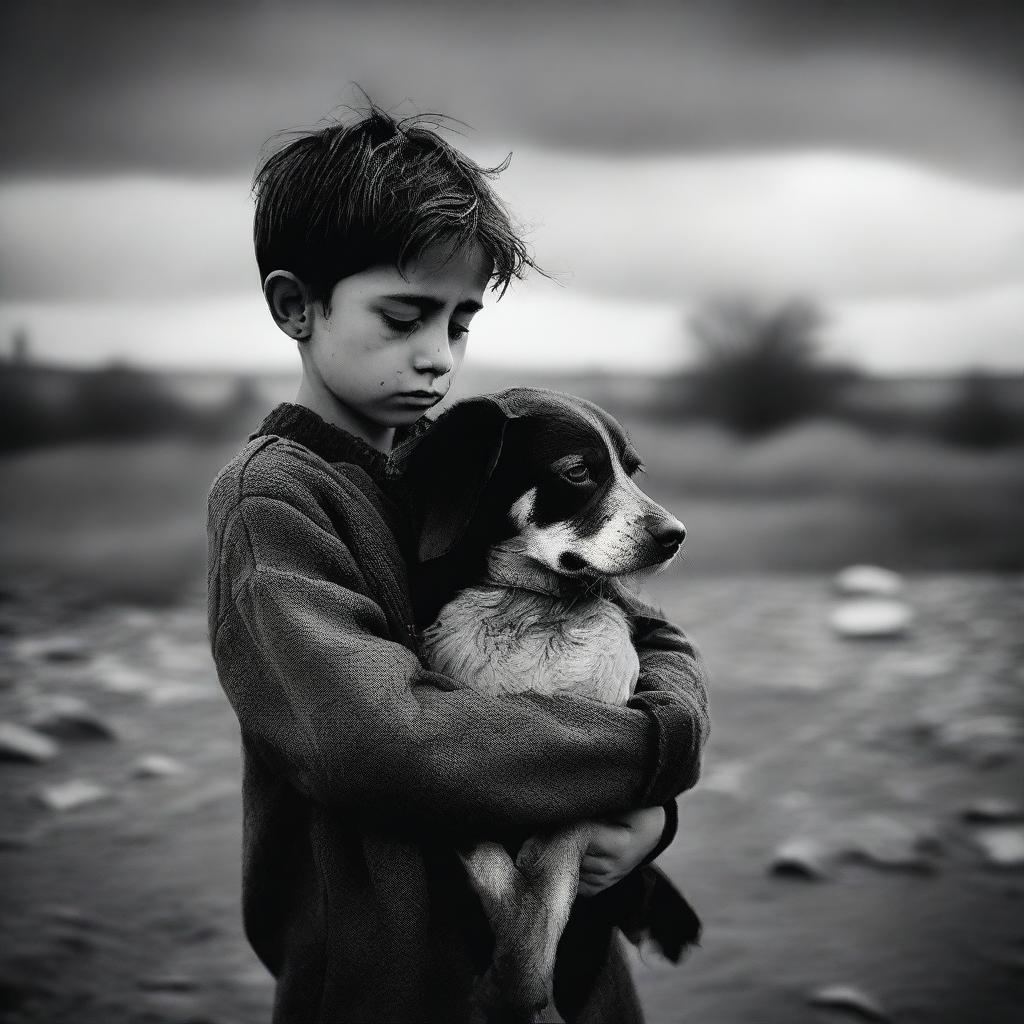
871,158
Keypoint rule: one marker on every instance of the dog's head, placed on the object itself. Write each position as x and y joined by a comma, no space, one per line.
547,471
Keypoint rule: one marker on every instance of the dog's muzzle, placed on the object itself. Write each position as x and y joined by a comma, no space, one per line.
668,534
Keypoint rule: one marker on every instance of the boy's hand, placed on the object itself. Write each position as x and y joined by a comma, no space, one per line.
618,846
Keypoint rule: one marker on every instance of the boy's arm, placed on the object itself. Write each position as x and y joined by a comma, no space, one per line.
672,673
351,718
670,664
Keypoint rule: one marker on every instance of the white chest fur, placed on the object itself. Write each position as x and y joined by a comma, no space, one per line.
502,640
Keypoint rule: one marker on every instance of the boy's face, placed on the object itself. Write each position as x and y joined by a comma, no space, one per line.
391,344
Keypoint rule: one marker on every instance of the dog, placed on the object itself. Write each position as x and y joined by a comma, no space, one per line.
530,516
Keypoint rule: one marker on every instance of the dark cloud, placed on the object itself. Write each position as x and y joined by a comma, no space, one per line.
197,87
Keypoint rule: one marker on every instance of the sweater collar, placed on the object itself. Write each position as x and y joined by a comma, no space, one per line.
331,443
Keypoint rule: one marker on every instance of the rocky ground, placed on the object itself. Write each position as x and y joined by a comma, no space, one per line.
855,847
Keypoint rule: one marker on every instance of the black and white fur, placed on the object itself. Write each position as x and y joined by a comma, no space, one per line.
532,516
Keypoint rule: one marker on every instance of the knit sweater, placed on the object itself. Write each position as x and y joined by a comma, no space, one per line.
362,768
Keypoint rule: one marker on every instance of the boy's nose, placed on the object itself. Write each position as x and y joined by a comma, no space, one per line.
435,357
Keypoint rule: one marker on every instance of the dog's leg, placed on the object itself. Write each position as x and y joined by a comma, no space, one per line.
504,994
492,874
550,863
528,905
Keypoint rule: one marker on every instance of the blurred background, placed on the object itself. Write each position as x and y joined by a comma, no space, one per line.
786,248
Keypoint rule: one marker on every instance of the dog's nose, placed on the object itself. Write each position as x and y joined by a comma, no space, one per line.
669,533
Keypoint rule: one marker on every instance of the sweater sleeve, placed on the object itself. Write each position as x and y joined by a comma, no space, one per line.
672,688
354,721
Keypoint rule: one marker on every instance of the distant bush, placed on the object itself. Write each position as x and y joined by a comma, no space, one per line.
42,405
122,401
978,416
758,369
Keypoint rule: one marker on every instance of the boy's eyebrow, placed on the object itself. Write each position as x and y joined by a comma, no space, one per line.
429,304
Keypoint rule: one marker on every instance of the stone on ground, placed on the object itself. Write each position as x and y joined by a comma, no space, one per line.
54,648
70,718
871,618
868,581
152,766
67,796
803,857
1003,846
20,744
888,842
849,999
993,809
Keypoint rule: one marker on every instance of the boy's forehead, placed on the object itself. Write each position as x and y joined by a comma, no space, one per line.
442,261
460,277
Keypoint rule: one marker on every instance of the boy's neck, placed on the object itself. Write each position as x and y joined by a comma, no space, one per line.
329,409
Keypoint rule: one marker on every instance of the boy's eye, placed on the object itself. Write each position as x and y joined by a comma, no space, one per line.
399,324
456,332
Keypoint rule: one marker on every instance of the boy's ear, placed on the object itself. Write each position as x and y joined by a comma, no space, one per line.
447,471
289,302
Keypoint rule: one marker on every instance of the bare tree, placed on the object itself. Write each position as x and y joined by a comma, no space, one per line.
758,368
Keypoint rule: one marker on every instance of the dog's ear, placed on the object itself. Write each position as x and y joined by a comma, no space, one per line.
447,470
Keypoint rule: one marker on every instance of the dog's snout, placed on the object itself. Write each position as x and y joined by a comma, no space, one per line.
669,533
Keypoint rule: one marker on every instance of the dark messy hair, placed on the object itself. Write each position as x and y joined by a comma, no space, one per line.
377,191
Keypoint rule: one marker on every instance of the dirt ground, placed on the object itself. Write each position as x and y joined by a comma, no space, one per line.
127,909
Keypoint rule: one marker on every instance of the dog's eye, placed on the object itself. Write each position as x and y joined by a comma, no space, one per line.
576,473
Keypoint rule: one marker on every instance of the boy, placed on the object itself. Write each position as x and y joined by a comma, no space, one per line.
362,769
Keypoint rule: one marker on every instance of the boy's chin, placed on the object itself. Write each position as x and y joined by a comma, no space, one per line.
403,417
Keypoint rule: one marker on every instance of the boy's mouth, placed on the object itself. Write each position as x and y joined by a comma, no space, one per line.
420,397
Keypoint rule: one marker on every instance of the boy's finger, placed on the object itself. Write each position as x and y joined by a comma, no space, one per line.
589,887
609,842
619,822
597,862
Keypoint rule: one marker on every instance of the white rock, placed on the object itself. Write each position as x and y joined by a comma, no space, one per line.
56,647
846,997
157,766
993,808
118,677
20,744
1003,846
68,795
70,718
868,618
868,581
888,842
804,857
